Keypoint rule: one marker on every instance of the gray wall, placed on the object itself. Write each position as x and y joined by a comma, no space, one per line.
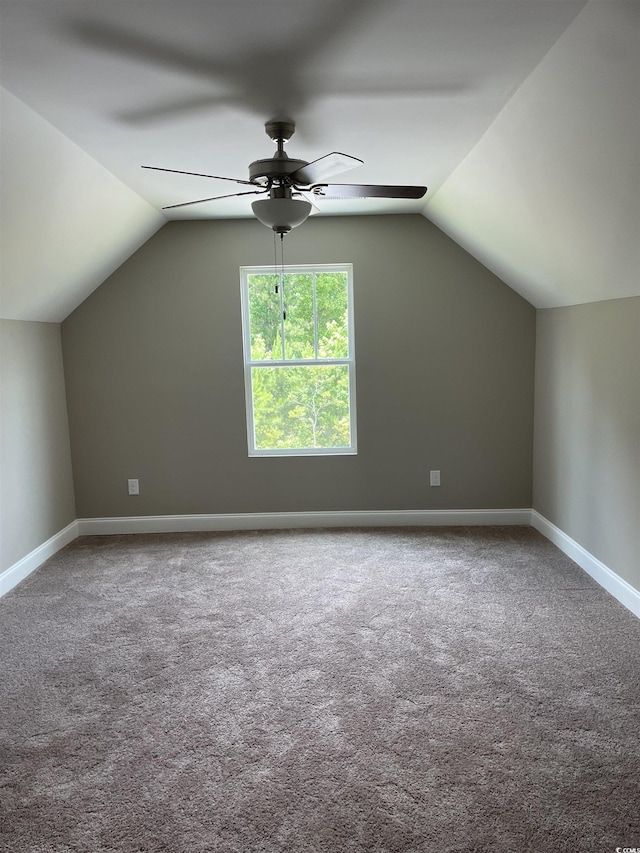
36,492
445,366
587,428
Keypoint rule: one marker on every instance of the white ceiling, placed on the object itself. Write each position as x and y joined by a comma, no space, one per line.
521,116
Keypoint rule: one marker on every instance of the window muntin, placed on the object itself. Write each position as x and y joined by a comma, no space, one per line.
299,360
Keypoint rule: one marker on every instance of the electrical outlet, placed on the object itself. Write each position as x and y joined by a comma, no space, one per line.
434,478
134,487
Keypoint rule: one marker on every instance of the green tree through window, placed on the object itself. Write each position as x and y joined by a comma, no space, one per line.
299,366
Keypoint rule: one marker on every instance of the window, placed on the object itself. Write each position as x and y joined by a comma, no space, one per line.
299,360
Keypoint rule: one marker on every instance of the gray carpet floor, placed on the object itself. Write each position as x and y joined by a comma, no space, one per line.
451,690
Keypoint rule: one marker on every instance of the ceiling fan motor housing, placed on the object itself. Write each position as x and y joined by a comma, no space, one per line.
274,168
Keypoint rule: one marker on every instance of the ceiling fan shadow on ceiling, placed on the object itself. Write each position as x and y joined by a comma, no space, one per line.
285,181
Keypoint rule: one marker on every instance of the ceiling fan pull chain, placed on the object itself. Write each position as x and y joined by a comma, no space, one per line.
284,310
275,263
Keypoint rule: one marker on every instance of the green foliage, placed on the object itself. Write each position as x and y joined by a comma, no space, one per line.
300,406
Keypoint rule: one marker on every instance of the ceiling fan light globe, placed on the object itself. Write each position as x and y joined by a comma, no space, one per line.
281,214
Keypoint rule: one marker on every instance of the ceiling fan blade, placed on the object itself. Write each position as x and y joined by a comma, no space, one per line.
138,47
198,175
323,167
366,191
314,210
214,198
156,113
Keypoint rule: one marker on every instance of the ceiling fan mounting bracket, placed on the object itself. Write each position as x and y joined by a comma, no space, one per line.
277,130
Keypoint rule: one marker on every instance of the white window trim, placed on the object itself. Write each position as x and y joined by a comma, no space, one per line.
298,269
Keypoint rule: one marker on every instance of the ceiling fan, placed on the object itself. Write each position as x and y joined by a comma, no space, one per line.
285,181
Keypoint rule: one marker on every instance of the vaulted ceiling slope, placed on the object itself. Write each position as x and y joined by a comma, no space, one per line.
66,222
549,198
521,116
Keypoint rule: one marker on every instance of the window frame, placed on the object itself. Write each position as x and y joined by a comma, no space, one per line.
249,363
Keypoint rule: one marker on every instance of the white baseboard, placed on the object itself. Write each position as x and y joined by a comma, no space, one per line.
251,521
284,520
20,570
609,580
